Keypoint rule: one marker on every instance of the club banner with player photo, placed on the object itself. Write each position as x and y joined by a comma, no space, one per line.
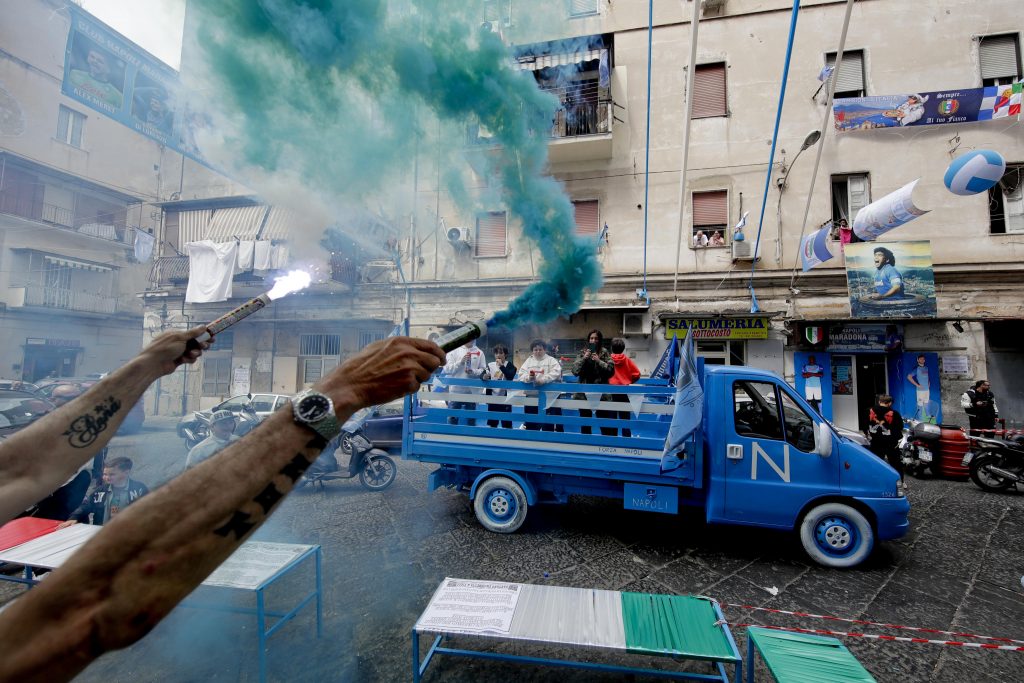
109,73
928,108
914,385
891,279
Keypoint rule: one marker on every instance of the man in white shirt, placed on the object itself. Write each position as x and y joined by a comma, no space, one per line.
465,362
538,369
222,428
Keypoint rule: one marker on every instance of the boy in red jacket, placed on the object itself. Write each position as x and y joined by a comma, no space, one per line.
626,372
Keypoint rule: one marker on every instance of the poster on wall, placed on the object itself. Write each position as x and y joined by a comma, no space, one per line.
842,376
927,108
109,73
914,385
811,380
891,280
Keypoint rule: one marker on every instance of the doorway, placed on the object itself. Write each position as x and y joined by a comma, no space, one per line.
871,381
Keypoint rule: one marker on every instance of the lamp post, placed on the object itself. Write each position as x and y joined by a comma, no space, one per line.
809,142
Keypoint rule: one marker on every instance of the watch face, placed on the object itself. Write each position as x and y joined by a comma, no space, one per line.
313,408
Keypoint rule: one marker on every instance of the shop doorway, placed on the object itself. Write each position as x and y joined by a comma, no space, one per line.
48,361
857,379
871,381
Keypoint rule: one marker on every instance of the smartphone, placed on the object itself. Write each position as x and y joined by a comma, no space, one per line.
592,347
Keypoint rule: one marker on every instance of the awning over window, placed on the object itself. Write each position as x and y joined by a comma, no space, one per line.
239,222
279,224
72,263
536,62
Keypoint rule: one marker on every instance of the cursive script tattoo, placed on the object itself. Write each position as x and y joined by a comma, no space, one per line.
242,523
85,429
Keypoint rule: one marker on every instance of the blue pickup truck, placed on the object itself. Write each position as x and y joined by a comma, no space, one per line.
762,457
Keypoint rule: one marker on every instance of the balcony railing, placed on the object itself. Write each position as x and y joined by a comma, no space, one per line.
573,121
69,299
102,226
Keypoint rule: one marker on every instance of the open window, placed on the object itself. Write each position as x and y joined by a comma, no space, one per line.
999,58
1006,202
850,193
850,79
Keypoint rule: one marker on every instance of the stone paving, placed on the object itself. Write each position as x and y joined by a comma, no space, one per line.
384,554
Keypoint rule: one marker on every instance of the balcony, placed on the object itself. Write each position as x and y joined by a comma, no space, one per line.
105,226
59,298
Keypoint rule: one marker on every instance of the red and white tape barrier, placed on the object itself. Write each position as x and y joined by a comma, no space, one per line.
902,639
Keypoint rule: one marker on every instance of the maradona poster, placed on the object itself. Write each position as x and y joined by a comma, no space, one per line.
891,279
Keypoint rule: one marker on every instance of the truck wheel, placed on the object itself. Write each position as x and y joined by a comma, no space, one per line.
836,535
500,505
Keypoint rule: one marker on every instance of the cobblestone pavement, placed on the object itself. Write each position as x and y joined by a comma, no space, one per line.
959,569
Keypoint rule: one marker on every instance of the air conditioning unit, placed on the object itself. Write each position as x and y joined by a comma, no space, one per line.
459,237
744,251
636,323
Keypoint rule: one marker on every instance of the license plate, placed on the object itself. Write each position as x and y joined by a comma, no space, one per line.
967,459
924,455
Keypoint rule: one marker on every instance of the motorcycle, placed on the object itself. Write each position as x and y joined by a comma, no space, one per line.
916,446
245,421
374,467
996,464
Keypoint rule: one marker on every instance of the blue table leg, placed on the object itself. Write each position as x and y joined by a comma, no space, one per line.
319,594
750,659
261,624
415,657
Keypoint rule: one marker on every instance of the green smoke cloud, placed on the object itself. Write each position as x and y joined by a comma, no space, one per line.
338,93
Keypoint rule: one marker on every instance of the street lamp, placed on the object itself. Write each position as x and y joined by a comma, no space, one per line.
809,141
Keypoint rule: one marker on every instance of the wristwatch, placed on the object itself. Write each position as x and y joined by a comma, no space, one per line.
316,411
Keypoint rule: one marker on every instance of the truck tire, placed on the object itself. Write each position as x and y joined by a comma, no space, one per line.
836,535
500,505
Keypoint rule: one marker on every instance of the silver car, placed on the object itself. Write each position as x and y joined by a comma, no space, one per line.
263,404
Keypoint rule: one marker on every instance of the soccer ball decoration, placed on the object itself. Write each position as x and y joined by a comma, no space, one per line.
974,172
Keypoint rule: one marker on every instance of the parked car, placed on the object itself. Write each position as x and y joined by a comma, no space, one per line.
18,385
19,409
263,404
132,423
384,426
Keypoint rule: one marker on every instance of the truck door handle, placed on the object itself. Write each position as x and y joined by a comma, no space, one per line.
734,451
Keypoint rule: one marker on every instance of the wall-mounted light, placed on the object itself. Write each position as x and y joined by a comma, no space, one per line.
958,326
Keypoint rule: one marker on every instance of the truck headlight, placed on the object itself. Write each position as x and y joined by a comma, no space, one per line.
901,490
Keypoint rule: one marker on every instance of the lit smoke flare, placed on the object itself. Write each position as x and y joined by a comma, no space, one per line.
287,284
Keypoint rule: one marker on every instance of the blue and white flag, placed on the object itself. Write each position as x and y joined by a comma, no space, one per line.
689,408
826,72
737,230
604,79
814,248
668,364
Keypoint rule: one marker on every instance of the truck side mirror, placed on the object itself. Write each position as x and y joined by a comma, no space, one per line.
822,439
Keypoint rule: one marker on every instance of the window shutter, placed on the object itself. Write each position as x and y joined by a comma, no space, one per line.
710,208
857,187
709,90
490,234
76,129
851,74
999,58
63,119
586,217
579,7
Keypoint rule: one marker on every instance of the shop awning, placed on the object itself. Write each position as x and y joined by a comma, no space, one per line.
239,222
73,263
279,224
536,62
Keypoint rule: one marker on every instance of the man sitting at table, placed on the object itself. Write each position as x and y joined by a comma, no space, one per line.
117,492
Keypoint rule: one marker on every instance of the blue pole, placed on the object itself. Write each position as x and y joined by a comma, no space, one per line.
647,147
754,308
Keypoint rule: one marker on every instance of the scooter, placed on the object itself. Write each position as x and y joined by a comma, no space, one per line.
996,464
246,420
916,446
374,467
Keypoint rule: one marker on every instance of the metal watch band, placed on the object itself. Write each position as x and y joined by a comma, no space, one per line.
326,427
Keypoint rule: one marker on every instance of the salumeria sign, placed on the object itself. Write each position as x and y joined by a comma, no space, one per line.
739,327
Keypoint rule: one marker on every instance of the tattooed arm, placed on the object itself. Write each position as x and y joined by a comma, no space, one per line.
41,457
133,572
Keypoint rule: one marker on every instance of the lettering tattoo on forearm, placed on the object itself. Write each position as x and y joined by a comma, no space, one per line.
242,522
85,429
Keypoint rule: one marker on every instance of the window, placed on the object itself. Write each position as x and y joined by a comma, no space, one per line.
368,337
216,376
850,79
710,219
850,194
587,217
799,425
1006,202
754,410
709,91
726,352
319,354
491,231
263,403
69,126
582,8
1000,59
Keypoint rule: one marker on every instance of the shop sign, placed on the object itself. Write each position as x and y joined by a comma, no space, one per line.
866,338
65,343
738,327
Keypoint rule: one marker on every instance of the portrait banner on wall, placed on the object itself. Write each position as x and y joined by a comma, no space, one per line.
109,73
914,385
927,108
891,211
812,380
891,280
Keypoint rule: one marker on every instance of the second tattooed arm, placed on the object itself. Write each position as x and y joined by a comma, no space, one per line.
154,553
41,457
